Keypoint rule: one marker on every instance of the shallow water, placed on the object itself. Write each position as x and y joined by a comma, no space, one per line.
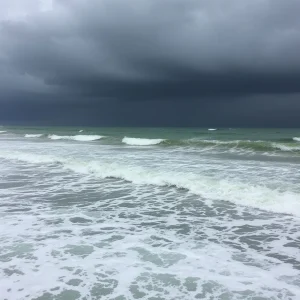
107,220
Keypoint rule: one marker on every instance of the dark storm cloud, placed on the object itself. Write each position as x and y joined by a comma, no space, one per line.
207,51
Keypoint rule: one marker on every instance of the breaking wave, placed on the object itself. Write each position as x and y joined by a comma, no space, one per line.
80,138
289,144
229,189
33,135
232,144
247,144
3,131
141,142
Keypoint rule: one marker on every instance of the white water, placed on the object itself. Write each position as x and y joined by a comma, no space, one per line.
285,147
229,188
141,142
91,221
297,139
218,142
33,135
212,129
80,138
279,146
3,131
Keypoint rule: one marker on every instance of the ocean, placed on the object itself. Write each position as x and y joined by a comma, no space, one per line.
149,213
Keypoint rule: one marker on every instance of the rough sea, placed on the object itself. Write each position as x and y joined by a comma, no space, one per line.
149,213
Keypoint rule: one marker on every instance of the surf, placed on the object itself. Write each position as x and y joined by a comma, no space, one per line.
258,145
33,135
141,141
227,189
79,138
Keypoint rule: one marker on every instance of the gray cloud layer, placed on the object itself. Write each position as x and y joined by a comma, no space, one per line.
101,53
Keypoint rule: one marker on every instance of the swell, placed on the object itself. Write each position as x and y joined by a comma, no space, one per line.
281,145
288,146
238,144
228,189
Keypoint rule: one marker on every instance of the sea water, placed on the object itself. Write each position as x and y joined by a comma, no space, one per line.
149,213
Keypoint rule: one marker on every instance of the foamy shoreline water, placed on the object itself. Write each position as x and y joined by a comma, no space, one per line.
154,215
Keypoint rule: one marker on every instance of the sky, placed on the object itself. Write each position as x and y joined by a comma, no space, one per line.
150,63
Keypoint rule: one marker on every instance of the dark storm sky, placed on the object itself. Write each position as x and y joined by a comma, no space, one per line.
150,62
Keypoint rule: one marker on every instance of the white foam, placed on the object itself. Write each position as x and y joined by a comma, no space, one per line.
287,148
33,135
230,189
3,131
80,130
141,142
80,138
28,157
218,142
212,129
297,139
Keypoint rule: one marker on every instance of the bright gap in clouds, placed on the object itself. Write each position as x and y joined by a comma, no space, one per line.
46,5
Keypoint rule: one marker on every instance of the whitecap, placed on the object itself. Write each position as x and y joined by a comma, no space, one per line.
141,142
286,148
3,131
297,139
230,189
33,135
80,138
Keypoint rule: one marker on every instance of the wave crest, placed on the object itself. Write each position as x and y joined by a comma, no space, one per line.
246,144
213,189
297,139
80,138
33,135
141,141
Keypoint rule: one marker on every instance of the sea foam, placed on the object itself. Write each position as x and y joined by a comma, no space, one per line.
33,135
228,189
297,139
141,142
3,131
287,148
80,138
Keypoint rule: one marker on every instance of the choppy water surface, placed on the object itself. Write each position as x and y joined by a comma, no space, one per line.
149,214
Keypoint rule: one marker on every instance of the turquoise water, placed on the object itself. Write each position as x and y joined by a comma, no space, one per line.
149,213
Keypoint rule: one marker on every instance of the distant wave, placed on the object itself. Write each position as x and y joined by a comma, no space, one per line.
80,138
246,144
288,148
229,189
33,135
3,131
212,129
141,142
283,145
